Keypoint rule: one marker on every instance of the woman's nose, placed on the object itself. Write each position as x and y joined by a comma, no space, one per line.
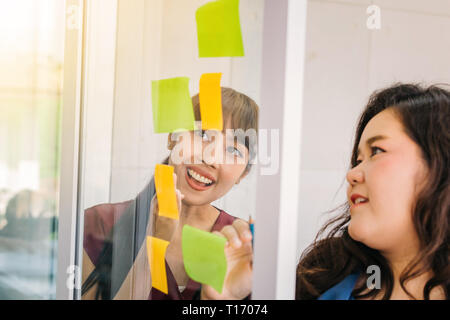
210,164
211,154
355,175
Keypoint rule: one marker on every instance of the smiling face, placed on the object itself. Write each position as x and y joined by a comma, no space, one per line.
383,185
205,174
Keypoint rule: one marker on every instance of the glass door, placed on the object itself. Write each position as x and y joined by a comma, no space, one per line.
40,59
31,64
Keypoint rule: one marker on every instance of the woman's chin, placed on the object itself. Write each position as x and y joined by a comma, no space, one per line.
194,200
355,232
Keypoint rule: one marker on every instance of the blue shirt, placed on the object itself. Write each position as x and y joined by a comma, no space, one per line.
342,290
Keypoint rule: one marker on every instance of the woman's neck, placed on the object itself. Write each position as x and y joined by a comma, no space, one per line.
415,286
202,217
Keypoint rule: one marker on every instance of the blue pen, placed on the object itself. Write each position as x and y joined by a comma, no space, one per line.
252,228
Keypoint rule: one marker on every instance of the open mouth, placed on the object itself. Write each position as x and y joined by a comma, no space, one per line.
358,204
358,200
197,181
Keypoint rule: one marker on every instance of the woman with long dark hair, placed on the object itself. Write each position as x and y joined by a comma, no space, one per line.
396,220
397,215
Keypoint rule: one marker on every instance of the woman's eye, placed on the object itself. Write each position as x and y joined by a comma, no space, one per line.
234,151
375,150
203,135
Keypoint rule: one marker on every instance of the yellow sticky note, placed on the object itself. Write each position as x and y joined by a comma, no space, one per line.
211,101
165,191
156,252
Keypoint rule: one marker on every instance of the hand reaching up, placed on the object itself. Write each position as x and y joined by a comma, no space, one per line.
163,227
239,255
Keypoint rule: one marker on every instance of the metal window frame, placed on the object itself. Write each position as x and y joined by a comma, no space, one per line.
70,143
84,69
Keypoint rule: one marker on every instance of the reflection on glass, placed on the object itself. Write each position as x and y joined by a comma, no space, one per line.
31,59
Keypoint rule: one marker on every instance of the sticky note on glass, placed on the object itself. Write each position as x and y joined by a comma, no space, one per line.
165,191
219,29
204,257
172,105
210,96
156,253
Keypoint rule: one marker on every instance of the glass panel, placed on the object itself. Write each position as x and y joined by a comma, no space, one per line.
31,64
155,40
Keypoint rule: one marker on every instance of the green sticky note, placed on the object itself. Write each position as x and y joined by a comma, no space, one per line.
172,105
219,29
204,257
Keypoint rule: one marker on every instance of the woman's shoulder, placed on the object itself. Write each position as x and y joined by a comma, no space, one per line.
223,220
323,264
342,290
99,220
322,253
102,217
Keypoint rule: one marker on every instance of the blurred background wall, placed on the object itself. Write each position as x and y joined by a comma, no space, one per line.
345,62
31,73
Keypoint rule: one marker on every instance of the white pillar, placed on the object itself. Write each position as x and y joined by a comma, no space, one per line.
281,108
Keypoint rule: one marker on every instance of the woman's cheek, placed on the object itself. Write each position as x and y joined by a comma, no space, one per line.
229,175
385,165
225,184
390,188
385,184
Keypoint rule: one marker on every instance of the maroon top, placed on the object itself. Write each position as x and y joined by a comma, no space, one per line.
173,292
98,223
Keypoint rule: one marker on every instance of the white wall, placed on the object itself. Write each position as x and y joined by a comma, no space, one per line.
157,39
345,62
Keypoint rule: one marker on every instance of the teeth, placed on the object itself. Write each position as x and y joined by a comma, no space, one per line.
199,177
359,200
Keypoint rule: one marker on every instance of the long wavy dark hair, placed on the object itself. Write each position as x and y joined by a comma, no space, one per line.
425,115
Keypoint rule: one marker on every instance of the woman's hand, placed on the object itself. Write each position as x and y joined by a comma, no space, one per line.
239,255
163,227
